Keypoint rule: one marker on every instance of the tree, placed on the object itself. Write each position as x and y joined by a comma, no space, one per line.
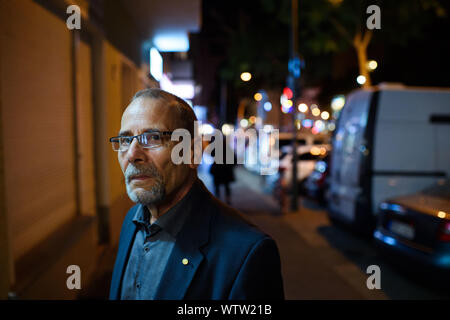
333,25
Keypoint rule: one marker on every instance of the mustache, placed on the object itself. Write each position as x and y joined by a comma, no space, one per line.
141,170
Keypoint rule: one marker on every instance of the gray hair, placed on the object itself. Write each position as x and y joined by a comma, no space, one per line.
185,115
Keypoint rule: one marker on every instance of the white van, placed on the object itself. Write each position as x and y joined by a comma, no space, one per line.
389,141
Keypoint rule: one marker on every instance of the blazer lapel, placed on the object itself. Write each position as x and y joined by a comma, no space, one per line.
125,244
186,256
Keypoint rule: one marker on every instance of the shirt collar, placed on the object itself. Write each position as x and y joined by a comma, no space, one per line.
173,220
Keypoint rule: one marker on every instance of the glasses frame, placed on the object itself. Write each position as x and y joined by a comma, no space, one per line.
138,137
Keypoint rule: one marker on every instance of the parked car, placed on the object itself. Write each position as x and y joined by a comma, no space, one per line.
389,141
417,226
316,183
307,159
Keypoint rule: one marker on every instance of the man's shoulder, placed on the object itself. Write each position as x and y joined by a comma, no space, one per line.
131,213
231,226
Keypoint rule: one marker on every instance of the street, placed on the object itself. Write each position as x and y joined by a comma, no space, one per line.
319,260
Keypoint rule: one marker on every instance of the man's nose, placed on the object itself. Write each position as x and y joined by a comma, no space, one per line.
135,152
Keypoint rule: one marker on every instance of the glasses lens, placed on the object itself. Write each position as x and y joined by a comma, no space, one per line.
150,139
125,142
115,144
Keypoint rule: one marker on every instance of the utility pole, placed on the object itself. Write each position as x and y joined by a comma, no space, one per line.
294,75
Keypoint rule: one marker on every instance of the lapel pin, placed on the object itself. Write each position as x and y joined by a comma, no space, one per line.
185,261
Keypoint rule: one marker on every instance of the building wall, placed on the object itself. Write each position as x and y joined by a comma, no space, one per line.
37,123
61,98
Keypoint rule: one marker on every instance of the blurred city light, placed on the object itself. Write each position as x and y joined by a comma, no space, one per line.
206,128
331,126
267,106
184,89
258,96
307,123
289,103
156,64
288,93
172,42
302,107
325,115
298,124
338,102
320,125
244,123
252,119
315,151
315,112
268,128
227,129
246,76
361,79
285,109
372,65
442,214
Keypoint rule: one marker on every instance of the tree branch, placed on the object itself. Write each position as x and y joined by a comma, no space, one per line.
340,28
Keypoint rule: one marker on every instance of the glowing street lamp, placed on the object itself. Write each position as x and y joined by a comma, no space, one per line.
246,76
338,102
244,123
315,112
361,79
325,115
257,96
372,65
302,107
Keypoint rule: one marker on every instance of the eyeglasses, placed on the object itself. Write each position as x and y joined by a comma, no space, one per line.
148,140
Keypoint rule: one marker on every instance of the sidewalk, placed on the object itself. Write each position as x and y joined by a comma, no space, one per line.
311,268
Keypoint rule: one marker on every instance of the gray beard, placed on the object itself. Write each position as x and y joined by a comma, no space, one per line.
157,191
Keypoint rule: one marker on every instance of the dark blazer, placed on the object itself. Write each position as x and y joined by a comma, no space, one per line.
228,258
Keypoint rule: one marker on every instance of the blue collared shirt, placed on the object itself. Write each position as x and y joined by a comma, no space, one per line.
151,250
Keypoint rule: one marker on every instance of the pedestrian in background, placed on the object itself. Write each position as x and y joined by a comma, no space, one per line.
223,173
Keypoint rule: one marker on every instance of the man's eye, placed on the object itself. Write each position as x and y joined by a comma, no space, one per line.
125,140
156,137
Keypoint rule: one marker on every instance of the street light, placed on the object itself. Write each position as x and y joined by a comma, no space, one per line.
361,79
315,112
244,123
267,106
246,76
325,115
337,103
302,107
372,65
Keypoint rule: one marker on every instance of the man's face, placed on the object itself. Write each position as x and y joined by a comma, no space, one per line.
150,174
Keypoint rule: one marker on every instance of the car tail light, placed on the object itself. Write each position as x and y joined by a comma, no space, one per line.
444,232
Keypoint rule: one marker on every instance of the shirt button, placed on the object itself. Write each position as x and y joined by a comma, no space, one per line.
138,286
146,249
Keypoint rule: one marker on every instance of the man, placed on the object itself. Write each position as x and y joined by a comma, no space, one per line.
178,241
